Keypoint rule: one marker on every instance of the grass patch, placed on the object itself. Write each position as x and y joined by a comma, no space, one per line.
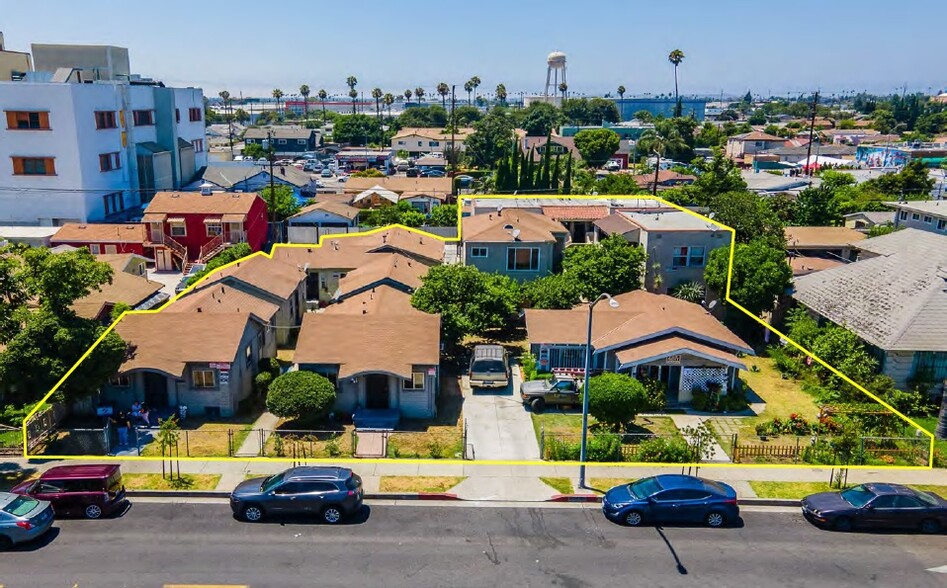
200,438
156,482
800,489
782,397
438,438
325,440
418,483
561,485
569,424
604,484
940,445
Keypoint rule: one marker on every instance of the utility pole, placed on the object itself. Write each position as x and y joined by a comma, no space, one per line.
453,154
271,152
815,103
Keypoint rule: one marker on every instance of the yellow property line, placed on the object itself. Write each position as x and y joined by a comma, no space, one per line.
459,237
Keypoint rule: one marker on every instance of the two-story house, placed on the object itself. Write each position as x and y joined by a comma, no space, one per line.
561,146
520,244
925,215
287,139
417,140
240,176
189,227
740,146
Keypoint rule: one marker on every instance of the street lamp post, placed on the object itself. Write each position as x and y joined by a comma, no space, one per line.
585,396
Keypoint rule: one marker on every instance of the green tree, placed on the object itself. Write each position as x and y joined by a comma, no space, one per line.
653,141
913,180
616,399
357,130
351,82
491,139
322,98
613,265
717,176
281,202
469,301
117,310
750,216
368,173
300,395
466,115
278,95
602,110
540,118
617,184
304,92
377,95
760,274
644,116
59,279
388,99
232,253
552,291
843,350
444,215
676,57
597,145
241,116
501,94
444,90
468,87
883,121
254,150
757,118
816,206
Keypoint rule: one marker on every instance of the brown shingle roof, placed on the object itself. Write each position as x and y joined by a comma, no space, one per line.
615,224
674,346
360,343
490,227
575,212
330,206
347,252
393,266
803,266
127,288
223,298
197,203
434,133
100,233
664,176
757,136
167,342
821,236
270,275
400,184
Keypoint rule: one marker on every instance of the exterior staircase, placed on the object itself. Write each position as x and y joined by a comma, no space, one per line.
212,248
178,250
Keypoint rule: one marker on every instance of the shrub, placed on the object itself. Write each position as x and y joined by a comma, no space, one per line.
655,394
528,366
559,450
269,364
661,450
435,449
615,399
332,448
300,395
604,448
262,381
785,363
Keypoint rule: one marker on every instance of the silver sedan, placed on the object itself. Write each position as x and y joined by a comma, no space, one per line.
23,519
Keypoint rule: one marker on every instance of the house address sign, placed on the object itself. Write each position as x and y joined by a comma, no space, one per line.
220,366
673,359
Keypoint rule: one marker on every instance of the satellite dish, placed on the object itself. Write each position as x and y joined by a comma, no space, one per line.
516,234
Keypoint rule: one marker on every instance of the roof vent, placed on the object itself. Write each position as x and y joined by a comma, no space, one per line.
507,227
335,245
206,188
199,309
384,238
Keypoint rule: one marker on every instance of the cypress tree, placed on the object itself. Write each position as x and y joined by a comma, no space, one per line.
554,180
516,154
501,177
526,177
567,182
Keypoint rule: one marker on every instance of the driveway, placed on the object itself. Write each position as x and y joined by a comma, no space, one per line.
498,426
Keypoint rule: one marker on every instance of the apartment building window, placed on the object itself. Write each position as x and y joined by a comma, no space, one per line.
203,378
144,118
178,229
34,166
478,252
415,383
114,202
110,161
928,219
95,248
688,257
300,141
198,145
904,215
21,120
941,225
400,142
433,143
214,229
696,256
522,259
105,119
194,114
915,216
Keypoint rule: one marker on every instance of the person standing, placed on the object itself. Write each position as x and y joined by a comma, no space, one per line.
121,426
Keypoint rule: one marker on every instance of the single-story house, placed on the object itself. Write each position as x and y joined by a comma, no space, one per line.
837,243
392,270
439,188
666,179
894,298
646,336
865,220
307,225
103,238
129,286
230,176
522,245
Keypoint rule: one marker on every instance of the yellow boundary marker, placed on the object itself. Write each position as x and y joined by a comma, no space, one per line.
460,204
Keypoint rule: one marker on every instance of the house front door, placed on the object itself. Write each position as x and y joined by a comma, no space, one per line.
376,391
156,390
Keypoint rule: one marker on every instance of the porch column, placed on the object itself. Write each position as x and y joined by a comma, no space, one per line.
394,392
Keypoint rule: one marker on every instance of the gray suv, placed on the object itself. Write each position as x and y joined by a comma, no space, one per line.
332,493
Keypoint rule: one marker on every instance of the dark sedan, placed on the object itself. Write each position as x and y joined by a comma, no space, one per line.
877,506
672,498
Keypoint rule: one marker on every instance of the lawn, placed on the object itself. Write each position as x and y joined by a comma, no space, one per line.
800,489
782,397
200,438
930,423
439,438
418,483
561,485
291,439
570,423
604,484
157,482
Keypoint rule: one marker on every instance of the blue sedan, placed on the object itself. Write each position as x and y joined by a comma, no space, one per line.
672,498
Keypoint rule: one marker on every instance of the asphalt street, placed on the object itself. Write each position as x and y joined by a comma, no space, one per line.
156,544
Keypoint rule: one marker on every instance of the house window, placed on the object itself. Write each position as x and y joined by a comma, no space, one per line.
522,259
178,229
120,381
478,252
110,161
281,141
400,142
696,257
27,120
105,119
34,166
194,114
433,143
144,118
688,257
198,145
941,225
177,115
415,383
300,141
203,378
915,216
249,354
928,219
420,143
904,215
111,249
680,257
214,229
95,248
113,203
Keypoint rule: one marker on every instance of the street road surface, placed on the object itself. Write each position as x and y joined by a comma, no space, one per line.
156,544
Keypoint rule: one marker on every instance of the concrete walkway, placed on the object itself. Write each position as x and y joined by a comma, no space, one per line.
251,445
498,425
717,455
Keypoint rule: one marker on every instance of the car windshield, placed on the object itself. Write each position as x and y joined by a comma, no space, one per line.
858,496
271,482
488,365
645,488
20,506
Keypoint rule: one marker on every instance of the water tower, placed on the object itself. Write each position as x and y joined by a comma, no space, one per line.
555,62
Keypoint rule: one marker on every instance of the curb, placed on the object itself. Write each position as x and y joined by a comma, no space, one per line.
596,498
575,498
226,494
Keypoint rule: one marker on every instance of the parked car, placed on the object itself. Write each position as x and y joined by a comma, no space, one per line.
343,178
433,173
489,367
182,285
559,390
309,166
326,173
329,492
672,498
413,172
23,519
464,180
877,506
403,166
90,491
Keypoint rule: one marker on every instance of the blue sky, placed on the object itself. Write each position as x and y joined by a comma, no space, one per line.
730,45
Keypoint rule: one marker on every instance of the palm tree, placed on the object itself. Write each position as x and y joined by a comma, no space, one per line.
419,92
304,91
278,94
443,89
676,57
469,87
501,93
388,100
475,82
351,82
322,98
407,95
621,92
225,96
377,94
659,144
563,87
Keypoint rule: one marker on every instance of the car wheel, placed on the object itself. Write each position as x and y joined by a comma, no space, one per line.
633,518
93,511
930,526
715,519
5,543
331,514
252,513
842,524
538,405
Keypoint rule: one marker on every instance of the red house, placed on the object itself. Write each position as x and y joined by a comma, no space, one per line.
192,227
120,238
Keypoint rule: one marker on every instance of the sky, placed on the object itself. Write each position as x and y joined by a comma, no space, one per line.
731,46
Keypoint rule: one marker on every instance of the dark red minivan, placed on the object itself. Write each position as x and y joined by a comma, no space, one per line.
90,491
